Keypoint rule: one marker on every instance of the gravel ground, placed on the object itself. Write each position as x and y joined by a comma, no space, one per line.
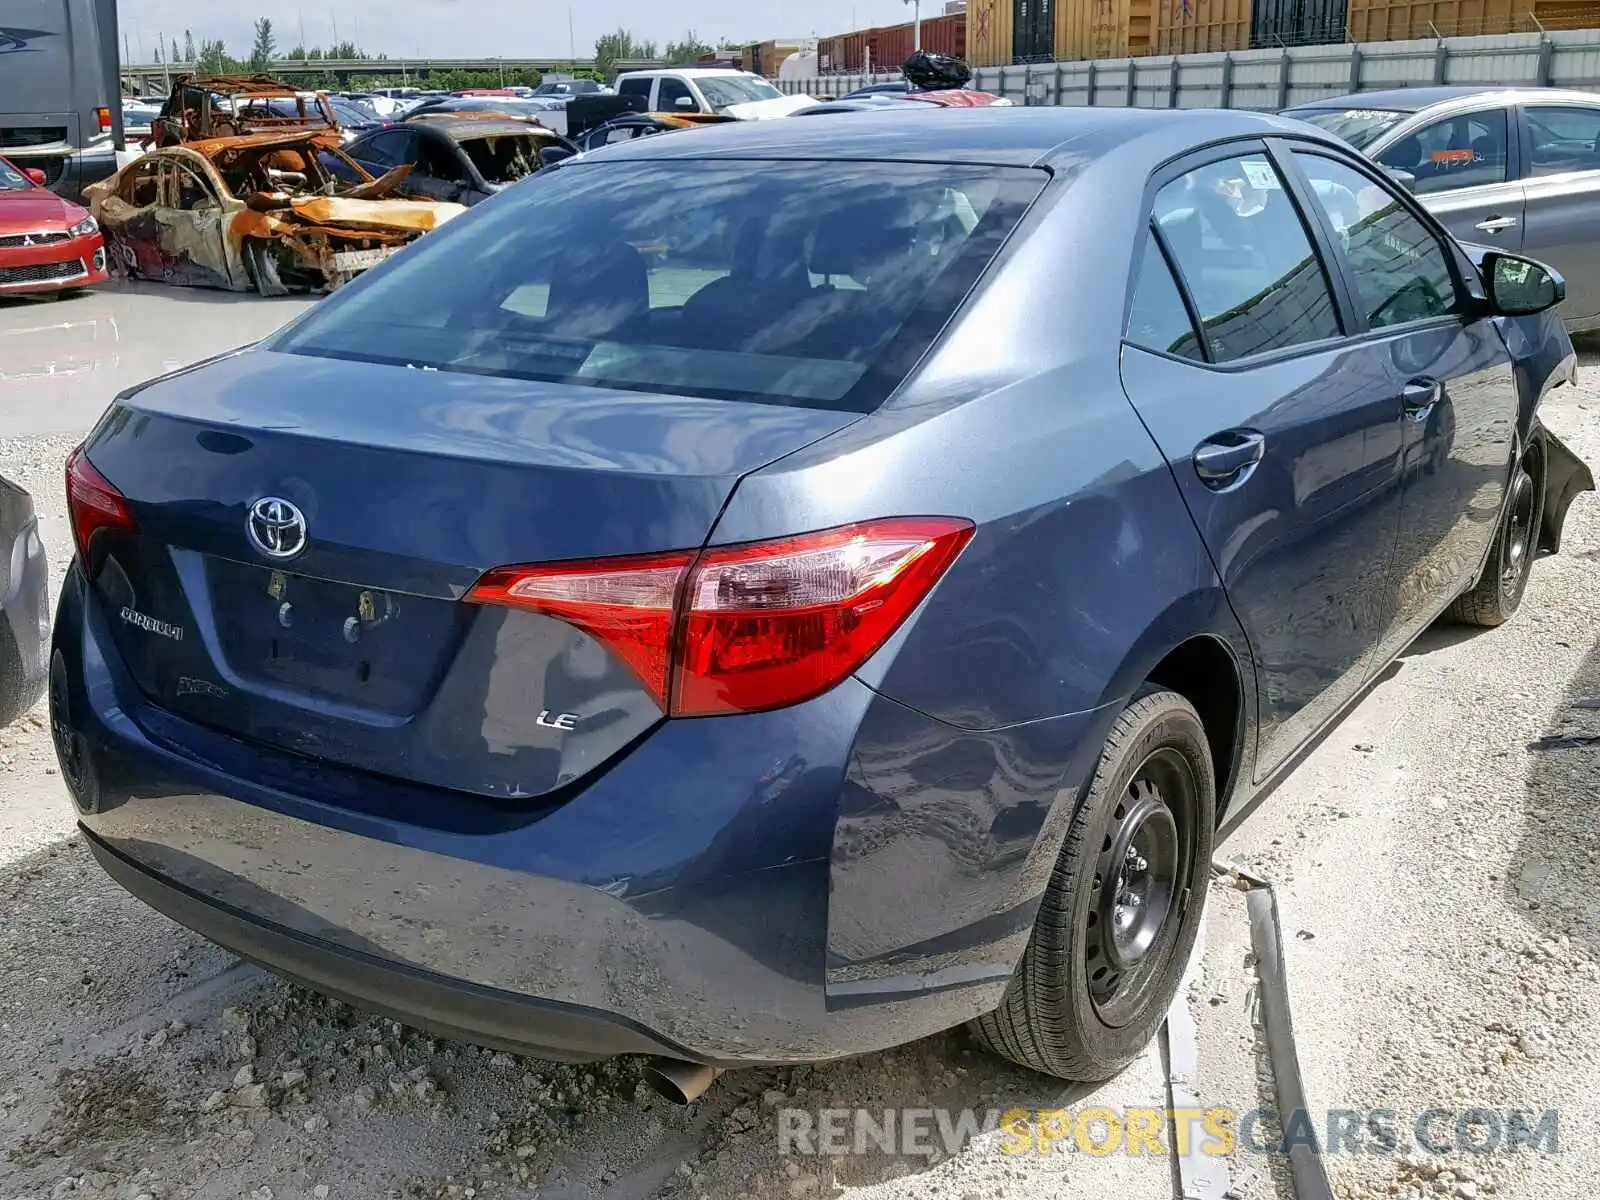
1435,861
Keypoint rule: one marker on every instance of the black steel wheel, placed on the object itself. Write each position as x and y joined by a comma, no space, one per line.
1497,594
1124,903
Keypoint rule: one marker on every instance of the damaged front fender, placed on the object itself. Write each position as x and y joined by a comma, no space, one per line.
1565,476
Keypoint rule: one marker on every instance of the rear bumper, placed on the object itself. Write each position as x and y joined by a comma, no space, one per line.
826,880
441,1005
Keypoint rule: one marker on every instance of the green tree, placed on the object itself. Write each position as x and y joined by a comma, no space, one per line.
175,52
265,47
213,59
689,50
620,45
189,53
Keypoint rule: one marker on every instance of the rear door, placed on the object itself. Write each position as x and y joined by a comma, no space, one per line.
1283,434
1465,167
1449,366
1563,198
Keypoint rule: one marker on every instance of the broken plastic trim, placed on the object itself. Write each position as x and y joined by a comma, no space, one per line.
1308,1175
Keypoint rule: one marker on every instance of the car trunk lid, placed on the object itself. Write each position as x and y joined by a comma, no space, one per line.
358,646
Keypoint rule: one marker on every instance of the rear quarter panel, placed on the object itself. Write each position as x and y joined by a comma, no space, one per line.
997,695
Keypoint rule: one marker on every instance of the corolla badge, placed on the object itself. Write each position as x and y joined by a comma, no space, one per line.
276,527
15,41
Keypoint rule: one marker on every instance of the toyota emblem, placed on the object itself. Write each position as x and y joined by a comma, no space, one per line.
277,528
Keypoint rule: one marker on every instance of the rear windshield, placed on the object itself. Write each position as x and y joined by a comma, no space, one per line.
814,284
1358,126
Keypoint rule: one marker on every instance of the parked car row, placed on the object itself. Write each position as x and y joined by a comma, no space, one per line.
772,606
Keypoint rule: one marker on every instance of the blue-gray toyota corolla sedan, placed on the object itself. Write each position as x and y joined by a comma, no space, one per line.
777,591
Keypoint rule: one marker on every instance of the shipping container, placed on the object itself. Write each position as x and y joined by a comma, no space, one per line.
1105,28
990,25
829,50
1200,26
1386,20
893,44
1297,22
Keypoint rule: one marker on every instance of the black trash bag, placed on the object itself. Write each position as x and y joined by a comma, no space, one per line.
929,72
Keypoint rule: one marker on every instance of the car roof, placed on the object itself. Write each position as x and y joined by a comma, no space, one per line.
900,132
690,72
1410,100
459,129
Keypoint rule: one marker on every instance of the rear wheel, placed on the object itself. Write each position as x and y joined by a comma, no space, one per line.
261,260
1497,594
1124,903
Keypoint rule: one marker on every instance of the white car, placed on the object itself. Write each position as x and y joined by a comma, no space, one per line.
718,90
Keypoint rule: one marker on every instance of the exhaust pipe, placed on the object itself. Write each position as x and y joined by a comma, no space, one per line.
679,1081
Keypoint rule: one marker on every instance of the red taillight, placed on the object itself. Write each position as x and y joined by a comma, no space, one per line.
93,504
745,628
103,115
627,603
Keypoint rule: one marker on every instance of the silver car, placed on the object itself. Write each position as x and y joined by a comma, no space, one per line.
1513,168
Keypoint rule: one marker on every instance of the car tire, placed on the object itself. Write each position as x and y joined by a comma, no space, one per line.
261,262
1497,593
1097,978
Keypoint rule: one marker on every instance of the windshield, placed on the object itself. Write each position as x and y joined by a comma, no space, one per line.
351,112
502,158
1358,126
11,179
723,91
814,284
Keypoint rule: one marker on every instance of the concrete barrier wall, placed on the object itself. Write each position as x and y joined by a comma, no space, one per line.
1275,78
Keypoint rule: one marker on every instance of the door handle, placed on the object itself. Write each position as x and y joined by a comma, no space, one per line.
1419,396
1496,224
1220,459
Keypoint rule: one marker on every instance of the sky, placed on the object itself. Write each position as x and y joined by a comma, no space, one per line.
487,28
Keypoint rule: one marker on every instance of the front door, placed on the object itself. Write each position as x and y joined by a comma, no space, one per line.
1283,435
1464,167
1563,199
1452,372
192,215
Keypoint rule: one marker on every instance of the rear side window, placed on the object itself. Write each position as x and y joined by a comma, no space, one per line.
1396,263
634,87
1246,258
1563,139
1457,152
1159,320
814,283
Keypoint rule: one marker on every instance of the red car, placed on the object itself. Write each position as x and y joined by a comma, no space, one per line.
47,244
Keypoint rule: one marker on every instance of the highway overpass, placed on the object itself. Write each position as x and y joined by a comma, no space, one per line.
150,77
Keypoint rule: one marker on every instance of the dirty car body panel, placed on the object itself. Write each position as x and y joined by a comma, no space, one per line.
299,707
185,214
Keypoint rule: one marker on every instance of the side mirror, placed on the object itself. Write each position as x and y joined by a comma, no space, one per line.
35,176
686,103
549,156
1404,178
1520,287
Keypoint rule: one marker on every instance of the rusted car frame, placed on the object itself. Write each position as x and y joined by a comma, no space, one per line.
262,212
202,107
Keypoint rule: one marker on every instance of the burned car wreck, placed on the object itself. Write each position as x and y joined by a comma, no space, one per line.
261,212
204,107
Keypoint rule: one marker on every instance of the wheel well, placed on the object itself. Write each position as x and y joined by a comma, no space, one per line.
1204,673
